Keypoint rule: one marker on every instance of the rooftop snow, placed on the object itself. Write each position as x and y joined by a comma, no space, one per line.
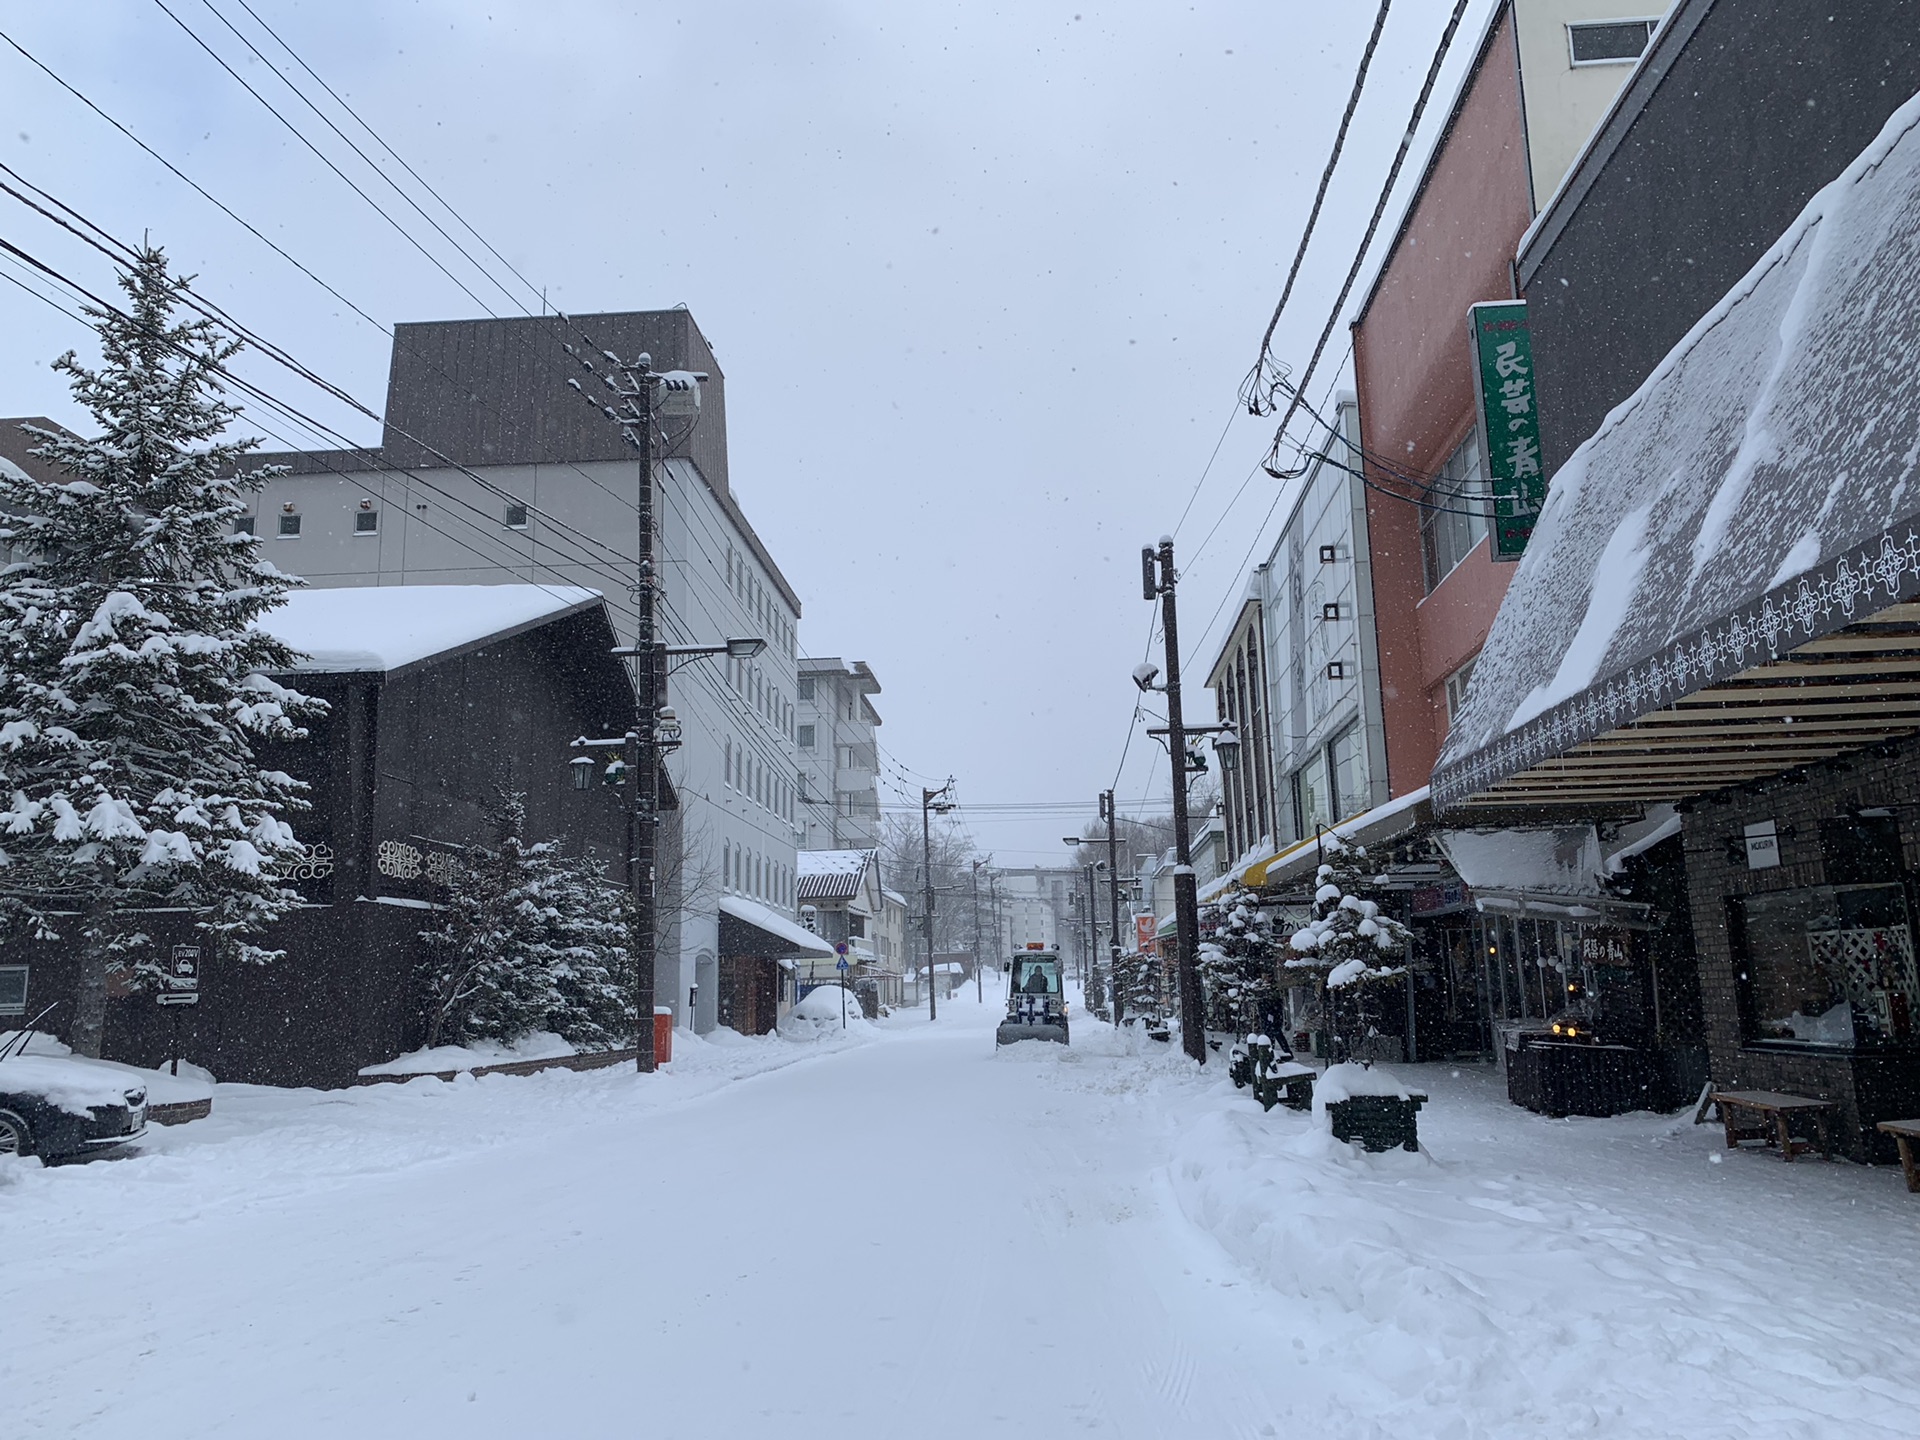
753,913
830,874
1780,434
387,626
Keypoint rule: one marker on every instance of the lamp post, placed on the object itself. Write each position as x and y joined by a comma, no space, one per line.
1160,582
931,801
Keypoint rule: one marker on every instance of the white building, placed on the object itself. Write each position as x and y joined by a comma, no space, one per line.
1299,672
839,753
493,469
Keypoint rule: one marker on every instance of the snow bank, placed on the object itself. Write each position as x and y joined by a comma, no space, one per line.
540,1045
819,1013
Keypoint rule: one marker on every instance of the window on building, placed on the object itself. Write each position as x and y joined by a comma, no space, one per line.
1347,772
516,515
856,926
806,737
1457,689
726,863
804,687
1310,807
1608,42
13,989
243,525
1454,520
366,522
1827,966
289,525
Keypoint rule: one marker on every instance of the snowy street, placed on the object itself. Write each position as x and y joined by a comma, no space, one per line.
905,1232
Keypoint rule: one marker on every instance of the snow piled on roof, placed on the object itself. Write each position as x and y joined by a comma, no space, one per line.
1783,430
753,913
831,862
383,627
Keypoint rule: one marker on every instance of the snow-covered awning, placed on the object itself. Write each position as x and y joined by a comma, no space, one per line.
1554,871
1300,858
778,936
1718,586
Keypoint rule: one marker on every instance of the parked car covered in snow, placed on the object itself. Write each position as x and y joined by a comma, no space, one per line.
61,1106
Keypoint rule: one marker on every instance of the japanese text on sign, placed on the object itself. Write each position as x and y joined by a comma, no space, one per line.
1503,379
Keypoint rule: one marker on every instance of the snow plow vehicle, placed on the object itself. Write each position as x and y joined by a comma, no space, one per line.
1036,1003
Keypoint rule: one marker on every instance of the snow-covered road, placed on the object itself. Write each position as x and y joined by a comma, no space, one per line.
913,1235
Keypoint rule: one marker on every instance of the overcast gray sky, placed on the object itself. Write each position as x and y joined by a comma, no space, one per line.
983,280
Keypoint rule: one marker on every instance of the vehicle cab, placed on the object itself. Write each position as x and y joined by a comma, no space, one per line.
1036,998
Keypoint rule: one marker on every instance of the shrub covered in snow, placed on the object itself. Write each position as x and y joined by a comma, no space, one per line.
1239,957
530,940
1351,943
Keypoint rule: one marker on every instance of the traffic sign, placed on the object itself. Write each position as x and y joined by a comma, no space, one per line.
840,947
840,964
178,997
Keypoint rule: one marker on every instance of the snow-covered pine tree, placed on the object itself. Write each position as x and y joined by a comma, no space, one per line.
1349,943
485,968
131,684
589,943
531,939
1239,962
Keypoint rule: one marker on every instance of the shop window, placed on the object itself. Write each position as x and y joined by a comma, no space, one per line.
1828,966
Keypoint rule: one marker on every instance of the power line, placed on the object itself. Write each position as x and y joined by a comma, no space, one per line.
321,156
1379,208
1250,393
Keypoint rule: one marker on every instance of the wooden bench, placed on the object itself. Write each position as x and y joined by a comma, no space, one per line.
1904,1133
1773,1110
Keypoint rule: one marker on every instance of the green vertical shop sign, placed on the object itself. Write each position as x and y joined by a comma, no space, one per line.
1509,421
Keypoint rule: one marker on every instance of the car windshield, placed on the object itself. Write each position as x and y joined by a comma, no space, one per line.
1039,977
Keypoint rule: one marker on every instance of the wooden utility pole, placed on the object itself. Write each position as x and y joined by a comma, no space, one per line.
1186,901
1113,875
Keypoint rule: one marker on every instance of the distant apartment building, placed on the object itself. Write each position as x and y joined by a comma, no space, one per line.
839,753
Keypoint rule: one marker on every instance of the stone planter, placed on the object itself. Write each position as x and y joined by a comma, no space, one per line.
1378,1122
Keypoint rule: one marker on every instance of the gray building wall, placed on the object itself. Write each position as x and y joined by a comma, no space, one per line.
1736,116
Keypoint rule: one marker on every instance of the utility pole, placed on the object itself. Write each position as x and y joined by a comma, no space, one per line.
1113,874
1186,902
656,730
979,985
1093,933
930,801
1000,946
